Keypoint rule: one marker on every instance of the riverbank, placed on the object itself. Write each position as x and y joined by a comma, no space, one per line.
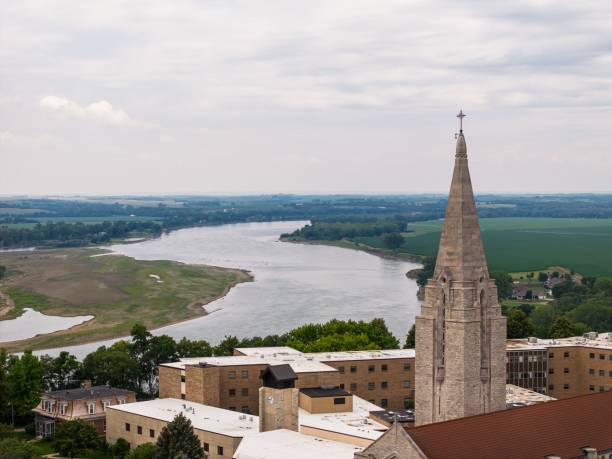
346,244
118,291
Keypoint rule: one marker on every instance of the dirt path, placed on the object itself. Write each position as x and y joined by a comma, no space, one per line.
6,304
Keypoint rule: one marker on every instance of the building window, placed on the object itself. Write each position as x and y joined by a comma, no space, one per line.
342,386
353,369
245,409
407,366
551,387
551,371
206,447
602,373
244,374
591,355
591,371
151,433
408,403
232,392
51,407
122,401
105,403
244,391
104,426
63,408
91,408
384,384
339,401
220,450
384,402
371,386
407,384
182,378
371,368
139,430
341,370
610,374
183,396
566,370
592,388
609,356
566,354
353,386
231,374
551,355
232,408
601,388
602,357
384,367
127,427
566,386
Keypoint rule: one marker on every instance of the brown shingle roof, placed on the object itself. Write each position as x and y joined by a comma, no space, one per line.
559,428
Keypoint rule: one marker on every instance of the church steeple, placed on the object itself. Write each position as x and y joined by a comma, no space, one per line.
460,333
461,247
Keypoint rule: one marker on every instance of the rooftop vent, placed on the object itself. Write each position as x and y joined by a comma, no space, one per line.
532,340
590,335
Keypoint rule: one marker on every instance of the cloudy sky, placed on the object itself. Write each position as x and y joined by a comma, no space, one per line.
250,96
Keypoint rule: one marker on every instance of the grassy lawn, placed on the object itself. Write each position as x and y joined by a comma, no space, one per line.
117,290
528,244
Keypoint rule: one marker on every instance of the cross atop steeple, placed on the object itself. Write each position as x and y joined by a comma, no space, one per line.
461,115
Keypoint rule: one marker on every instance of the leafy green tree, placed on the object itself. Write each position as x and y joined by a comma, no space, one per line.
196,348
426,273
392,241
161,349
120,449
519,325
542,277
61,372
4,385
543,317
113,366
138,349
25,380
341,342
594,313
74,438
526,308
411,338
14,448
177,440
589,281
562,328
226,346
144,451
503,281
603,285
6,430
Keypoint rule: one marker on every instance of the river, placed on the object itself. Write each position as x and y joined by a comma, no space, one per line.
294,283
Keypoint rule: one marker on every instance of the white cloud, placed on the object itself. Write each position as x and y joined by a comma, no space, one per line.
101,111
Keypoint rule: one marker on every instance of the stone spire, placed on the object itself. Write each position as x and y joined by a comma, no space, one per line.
460,332
461,249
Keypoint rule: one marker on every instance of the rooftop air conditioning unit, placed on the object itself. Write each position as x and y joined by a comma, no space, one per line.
532,340
590,335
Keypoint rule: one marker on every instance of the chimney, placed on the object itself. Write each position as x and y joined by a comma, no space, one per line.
86,384
589,453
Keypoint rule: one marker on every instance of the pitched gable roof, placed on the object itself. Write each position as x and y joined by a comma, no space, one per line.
558,428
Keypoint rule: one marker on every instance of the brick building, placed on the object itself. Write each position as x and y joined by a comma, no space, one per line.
385,378
88,403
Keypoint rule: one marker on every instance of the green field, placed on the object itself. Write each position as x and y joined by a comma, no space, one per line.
85,220
118,290
527,244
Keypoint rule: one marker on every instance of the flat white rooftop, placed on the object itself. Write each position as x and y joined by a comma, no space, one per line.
202,417
516,394
300,362
283,444
594,340
356,423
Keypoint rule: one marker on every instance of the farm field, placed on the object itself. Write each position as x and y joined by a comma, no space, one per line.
527,244
118,290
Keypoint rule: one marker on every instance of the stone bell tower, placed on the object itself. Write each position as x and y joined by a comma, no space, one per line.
460,333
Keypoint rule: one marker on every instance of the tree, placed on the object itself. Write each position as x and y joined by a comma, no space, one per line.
2,271
411,338
177,440
519,325
144,451
61,372
121,448
226,347
25,379
562,328
393,241
503,281
74,438
188,348
542,277
426,273
589,281
603,285
14,448
4,385
112,366
160,349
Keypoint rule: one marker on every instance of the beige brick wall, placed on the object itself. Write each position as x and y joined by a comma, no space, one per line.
169,382
587,371
116,428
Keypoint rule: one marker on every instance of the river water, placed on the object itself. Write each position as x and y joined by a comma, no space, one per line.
294,283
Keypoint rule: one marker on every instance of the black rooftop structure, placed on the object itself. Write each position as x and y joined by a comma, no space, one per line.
279,376
316,392
389,417
86,393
